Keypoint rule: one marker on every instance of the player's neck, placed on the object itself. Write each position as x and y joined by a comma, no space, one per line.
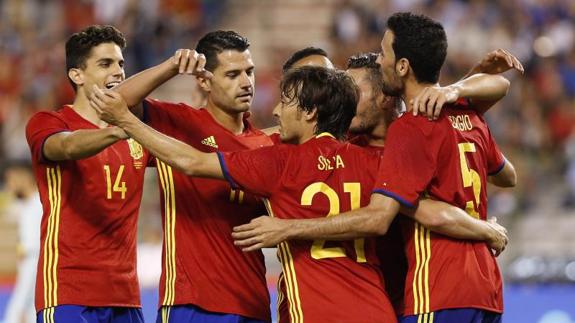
82,106
377,136
234,122
412,90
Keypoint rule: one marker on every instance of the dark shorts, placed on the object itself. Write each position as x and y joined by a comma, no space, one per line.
87,314
191,313
457,315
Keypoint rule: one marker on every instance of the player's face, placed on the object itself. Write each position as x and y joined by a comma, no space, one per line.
314,60
368,113
232,86
392,82
104,67
289,121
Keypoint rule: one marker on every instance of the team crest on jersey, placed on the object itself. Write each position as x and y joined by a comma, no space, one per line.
137,152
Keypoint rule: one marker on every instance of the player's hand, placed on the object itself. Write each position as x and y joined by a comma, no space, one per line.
430,100
498,61
261,232
109,105
499,238
188,61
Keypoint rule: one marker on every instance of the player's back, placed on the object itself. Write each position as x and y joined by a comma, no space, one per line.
457,153
89,223
322,281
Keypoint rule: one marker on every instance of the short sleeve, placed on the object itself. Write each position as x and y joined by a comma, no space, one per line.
41,126
408,164
165,116
257,171
495,159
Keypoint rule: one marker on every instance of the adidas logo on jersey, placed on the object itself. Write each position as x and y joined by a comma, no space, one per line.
210,141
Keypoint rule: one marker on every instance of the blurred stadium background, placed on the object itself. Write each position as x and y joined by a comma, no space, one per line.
534,124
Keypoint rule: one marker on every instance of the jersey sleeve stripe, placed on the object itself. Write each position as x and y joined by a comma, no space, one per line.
395,197
226,172
496,171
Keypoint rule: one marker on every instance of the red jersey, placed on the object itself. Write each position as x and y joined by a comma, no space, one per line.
201,264
88,233
321,281
391,255
449,160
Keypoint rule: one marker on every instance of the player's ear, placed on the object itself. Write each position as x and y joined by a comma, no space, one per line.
310,115
204,83
402,67
76,75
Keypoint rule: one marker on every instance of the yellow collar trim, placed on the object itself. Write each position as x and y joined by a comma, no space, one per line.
325,134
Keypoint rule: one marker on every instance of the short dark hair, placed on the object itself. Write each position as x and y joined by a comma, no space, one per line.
367,61
332,93
80,44
300,54
216,42
422,41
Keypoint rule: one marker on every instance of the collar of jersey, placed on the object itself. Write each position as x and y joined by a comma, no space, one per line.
325,134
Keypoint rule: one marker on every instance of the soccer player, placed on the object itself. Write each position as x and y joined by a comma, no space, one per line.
204,276
90,179
449,160
312,87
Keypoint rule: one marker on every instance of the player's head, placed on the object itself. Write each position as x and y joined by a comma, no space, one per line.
373,107
228,58
317,99
413,46
309,56
94,56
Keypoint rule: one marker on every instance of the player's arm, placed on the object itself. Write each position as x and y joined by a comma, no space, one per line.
496,62
78,144
185,61
113,109
506,177
482,89
446,219
371,220
271,130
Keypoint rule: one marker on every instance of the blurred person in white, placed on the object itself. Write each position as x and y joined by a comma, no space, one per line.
26,207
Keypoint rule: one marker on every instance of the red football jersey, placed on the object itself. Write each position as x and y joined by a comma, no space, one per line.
449,160
321,281
88,237
389,247
201,264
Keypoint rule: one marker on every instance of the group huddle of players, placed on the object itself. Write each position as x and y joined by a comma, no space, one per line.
330,190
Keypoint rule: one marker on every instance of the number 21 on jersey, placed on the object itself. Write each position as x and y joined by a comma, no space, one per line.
119,185
318,249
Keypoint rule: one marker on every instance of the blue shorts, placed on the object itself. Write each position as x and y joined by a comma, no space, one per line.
192,313
87,314
456,315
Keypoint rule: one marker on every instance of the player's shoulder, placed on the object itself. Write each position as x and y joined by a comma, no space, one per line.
158,106
42,117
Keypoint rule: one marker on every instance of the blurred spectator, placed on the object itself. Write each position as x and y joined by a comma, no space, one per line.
27,210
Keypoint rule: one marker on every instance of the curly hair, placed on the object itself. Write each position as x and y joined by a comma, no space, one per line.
332,93
422,41
216,42
80,44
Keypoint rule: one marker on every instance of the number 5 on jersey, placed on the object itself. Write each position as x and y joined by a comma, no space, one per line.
119,185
